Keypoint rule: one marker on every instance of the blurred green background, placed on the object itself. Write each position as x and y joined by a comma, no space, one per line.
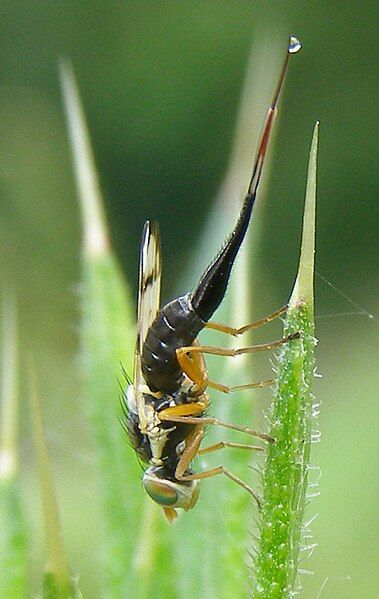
161,85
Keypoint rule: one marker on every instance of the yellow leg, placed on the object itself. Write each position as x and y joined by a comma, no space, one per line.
169,416
222,444
183,411
191,361
222,470
228,389
192,449
223,328
192,446
193,365
222,351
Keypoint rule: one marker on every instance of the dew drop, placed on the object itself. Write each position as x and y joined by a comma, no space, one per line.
294,45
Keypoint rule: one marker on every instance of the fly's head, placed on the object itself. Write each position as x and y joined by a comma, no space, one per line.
170,494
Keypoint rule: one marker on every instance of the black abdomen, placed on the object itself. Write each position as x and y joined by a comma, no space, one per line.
179,322
176,325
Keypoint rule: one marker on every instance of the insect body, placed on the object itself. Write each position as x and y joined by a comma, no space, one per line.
167,403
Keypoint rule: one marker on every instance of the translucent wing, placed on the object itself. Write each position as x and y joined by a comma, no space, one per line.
149,292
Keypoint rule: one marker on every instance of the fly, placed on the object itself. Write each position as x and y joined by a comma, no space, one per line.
167,403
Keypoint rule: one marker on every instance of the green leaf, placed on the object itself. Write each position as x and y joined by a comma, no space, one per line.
107,342
13,535
286,471
58,582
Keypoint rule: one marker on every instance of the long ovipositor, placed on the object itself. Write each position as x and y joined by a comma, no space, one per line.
212,286
179,322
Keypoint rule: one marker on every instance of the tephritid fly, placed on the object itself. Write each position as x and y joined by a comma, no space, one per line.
166,404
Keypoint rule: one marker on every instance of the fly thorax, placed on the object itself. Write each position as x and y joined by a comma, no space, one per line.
152,420
158,439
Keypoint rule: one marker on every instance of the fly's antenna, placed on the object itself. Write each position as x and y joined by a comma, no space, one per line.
211,289
293,46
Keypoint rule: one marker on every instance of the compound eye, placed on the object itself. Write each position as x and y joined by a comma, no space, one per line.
160,492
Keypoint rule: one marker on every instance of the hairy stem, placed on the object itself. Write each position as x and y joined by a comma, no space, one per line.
286,469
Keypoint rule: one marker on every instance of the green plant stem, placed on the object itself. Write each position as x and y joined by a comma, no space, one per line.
286,469
57,581
12,541
12,524
107,341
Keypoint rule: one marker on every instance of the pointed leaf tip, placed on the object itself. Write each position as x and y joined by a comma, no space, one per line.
95,235
303,288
